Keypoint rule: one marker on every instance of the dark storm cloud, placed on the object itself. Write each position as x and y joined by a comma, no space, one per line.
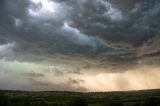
75,81
47,86
33,74
11,10
83,29
35,36
58,73
126,24
128,27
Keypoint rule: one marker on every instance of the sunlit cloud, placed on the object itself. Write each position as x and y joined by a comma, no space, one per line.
43,9
7,49
143,77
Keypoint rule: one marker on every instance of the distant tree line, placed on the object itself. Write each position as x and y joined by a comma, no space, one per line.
20,101
13,100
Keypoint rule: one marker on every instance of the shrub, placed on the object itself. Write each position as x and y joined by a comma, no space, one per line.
78,102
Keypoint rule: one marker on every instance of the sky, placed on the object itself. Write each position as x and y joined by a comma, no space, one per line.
79,45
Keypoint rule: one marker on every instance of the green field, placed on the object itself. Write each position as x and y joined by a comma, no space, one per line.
132,98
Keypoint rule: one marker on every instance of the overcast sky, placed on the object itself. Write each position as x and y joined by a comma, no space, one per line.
79,45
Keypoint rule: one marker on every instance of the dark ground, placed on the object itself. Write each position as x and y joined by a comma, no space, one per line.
54,98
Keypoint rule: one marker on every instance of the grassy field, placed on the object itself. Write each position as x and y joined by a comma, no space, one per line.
132,98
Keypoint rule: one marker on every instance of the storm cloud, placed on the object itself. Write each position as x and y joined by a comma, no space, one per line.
79,36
